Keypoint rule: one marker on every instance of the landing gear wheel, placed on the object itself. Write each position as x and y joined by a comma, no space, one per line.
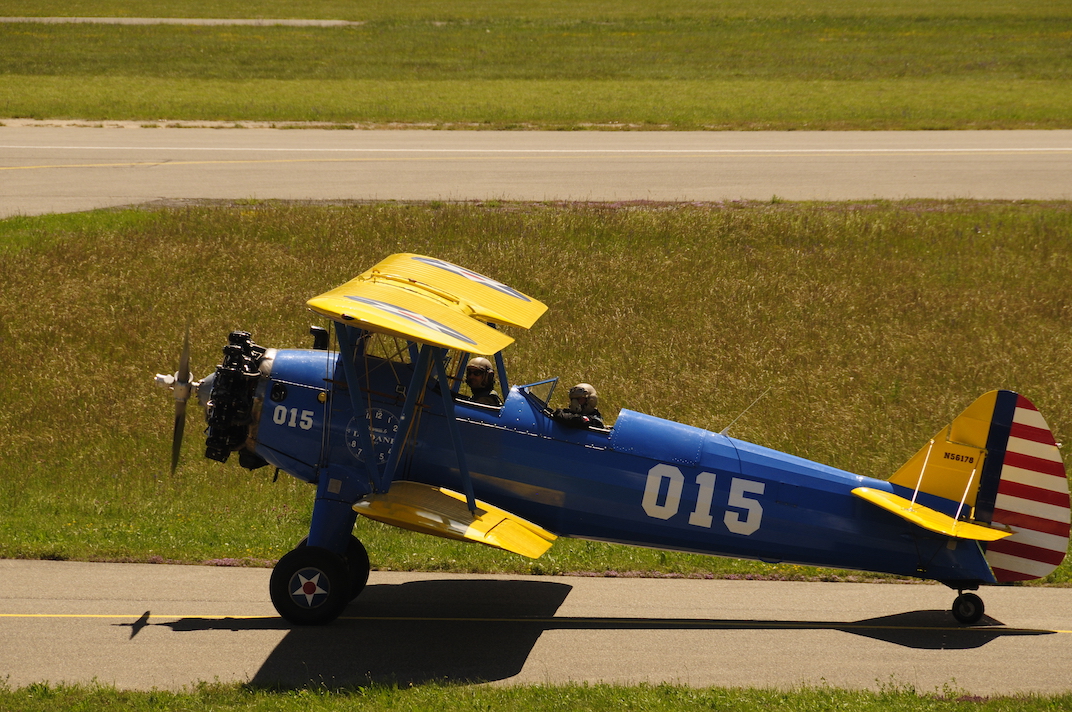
357,561
968,608
310,586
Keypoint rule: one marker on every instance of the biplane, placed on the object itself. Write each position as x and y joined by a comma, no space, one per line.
381,427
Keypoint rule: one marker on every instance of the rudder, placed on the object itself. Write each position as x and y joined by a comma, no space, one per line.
1030,497
999,460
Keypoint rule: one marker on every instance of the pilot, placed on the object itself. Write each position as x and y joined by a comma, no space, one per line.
582,411
480,377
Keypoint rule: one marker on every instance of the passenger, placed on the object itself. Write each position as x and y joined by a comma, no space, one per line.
480,377
582,412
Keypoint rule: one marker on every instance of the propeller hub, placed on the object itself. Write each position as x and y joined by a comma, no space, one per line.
181,389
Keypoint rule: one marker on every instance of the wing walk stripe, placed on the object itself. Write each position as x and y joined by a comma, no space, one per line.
1026,521
472,276
1035,494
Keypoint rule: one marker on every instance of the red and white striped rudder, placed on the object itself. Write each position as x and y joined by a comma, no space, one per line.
1031,495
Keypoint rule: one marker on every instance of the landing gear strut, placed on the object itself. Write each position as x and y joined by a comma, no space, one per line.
968,608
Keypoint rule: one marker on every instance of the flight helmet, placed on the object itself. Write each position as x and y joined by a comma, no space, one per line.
479,374
583,399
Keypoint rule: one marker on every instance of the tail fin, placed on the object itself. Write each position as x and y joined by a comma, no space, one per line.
1000,461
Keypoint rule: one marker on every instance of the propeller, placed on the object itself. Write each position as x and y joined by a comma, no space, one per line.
182,386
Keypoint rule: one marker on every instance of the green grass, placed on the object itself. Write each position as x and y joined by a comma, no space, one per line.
595,698
873,324
999,49
498,104
917,65
380,10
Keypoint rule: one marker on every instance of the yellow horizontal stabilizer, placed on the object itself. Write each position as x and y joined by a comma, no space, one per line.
928,518
411,316
429,300
444,513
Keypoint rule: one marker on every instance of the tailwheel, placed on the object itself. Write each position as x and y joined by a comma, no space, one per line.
311,586
968,608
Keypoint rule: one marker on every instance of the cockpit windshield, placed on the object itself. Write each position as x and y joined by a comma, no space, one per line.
540,391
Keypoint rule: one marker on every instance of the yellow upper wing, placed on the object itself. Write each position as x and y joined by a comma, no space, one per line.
431,301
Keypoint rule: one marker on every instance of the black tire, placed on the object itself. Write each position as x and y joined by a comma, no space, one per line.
968,608
357,561
310,586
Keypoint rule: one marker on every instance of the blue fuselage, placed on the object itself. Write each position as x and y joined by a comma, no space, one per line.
646,482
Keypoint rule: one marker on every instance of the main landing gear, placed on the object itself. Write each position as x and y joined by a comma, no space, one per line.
967,608
311,585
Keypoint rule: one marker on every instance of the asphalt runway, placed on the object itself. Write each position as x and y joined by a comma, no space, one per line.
46,168
145,626
142,626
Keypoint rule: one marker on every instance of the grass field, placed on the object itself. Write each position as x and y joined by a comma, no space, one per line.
699,65
593,698
440,10
872,324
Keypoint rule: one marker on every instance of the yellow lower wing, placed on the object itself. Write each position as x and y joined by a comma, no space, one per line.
444,513
928,518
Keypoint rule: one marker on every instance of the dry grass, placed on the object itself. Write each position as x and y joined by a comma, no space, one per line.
873,325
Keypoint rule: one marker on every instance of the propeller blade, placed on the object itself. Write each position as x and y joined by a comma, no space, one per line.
182,393
184,360
176,438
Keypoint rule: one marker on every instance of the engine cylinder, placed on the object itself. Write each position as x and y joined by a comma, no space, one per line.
230,406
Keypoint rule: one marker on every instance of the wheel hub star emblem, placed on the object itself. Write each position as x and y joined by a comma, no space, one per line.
306,585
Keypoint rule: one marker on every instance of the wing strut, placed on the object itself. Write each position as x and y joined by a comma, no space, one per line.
439,355
427,356
504,385
406,418
348,342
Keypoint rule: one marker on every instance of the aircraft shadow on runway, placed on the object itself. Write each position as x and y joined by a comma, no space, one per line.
480,630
